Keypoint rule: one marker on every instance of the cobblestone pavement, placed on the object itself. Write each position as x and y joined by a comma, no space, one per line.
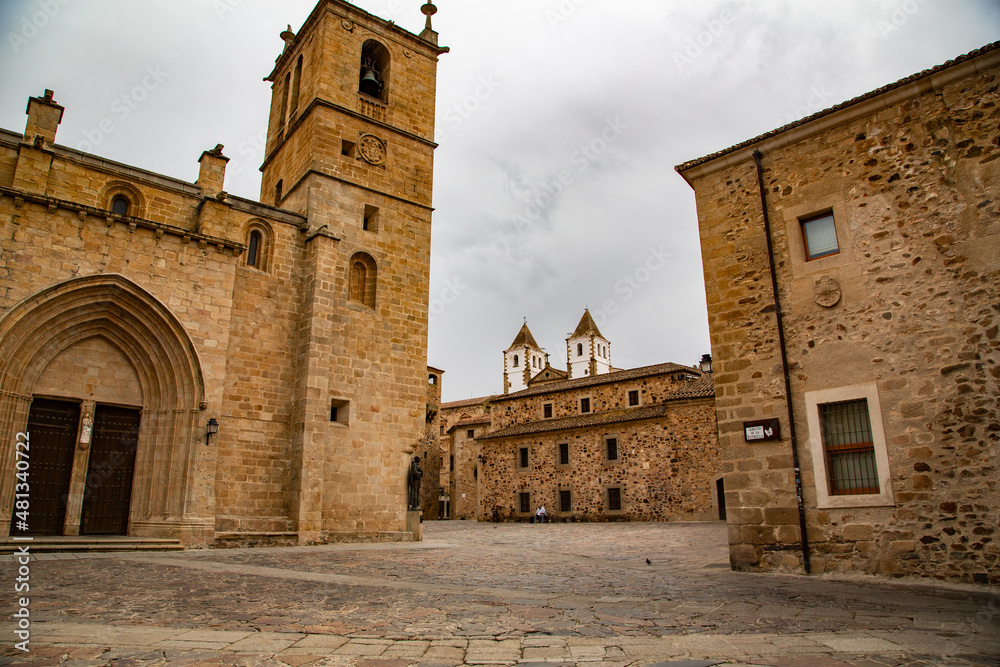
486,594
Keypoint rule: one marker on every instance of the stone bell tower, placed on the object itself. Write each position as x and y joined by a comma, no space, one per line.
350,146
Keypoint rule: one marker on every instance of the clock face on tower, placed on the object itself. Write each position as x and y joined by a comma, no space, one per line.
372,149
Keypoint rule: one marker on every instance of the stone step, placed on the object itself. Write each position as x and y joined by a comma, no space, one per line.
75,544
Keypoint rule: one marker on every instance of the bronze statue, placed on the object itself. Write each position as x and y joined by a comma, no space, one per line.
413,483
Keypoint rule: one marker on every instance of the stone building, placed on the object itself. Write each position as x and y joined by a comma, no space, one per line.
611,444
461,423
852,266
195,365
430,447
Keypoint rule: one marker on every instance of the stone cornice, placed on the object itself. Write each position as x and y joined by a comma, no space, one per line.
133,223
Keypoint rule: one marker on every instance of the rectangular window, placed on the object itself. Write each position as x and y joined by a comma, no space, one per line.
820,235
565,501
522,457
451,462
339,411
370,221
564,453
524,499
348,148
612,449
849,448
633,398
470,434
584,405
614,499
547,411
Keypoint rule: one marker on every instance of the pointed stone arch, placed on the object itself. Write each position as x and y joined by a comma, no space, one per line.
155,342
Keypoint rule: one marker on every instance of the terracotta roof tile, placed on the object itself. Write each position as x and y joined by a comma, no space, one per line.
593,380
467,403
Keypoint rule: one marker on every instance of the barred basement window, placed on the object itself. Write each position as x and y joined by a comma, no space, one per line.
614,499
849,448
565,501
524,499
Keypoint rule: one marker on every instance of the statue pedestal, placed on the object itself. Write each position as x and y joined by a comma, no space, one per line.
414,524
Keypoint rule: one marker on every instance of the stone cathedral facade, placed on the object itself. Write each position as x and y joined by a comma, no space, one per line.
195,365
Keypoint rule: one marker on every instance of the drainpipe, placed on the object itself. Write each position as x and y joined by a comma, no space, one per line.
784,362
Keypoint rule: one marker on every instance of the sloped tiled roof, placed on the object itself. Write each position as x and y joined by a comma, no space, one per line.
843,105
586,326
703,387
593,380
467,403
553,375
524,337
474,421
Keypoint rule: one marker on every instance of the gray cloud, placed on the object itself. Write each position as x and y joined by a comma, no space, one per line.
523,98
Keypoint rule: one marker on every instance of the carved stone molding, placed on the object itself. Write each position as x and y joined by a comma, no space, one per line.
371,149
826,292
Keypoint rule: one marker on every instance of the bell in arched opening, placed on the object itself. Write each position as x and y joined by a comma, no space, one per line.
370,83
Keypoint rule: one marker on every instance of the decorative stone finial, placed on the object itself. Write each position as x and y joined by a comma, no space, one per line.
428,10
287,36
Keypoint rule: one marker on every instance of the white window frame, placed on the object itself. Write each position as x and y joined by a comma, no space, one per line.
823,498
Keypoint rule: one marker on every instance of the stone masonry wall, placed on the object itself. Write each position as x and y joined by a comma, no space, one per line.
665,470
566,403
908,306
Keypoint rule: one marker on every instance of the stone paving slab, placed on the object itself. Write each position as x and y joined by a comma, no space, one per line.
486,594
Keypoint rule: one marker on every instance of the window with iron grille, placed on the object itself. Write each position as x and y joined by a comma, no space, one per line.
563,453
525,502
849,448
565,501
612,448
614,499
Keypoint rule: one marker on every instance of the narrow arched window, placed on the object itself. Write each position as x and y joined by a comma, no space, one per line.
358,282
516,360
120,205
362,279
253,249
258,240
294,103
579,349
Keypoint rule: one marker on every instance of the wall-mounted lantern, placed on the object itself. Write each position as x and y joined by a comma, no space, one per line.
211,429
706,363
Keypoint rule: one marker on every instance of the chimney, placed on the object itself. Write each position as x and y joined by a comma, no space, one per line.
213,171
44,116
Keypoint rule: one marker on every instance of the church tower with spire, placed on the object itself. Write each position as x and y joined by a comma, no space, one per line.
521,361
588,352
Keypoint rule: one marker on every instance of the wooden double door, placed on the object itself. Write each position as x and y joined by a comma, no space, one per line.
54,431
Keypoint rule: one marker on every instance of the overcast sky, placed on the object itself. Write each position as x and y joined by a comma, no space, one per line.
559,123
